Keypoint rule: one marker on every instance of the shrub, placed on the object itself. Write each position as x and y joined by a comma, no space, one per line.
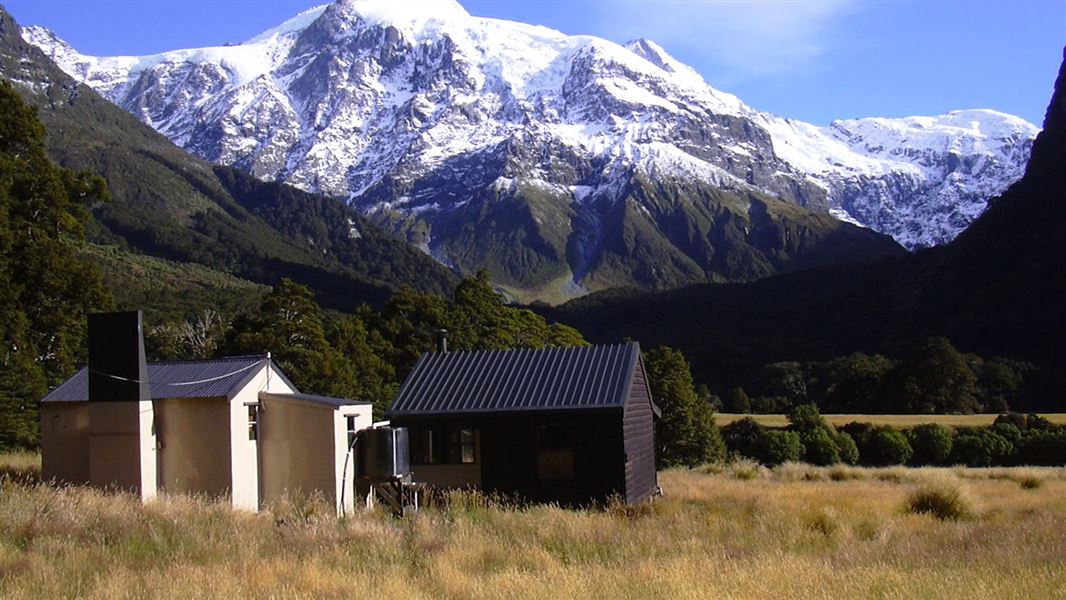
1042,448
819,447
1007,431
806,417
1035,421
980,447
885,446
930,442
775,447
944,503
740,436
859,432
849,452
1013,418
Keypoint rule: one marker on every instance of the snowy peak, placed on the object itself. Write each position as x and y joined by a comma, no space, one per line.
416,111
418,18
656,55
293,25
960,131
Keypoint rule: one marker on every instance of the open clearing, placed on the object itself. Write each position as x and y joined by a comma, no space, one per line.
898,421
735,531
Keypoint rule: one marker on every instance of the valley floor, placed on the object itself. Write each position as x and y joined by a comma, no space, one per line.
733,531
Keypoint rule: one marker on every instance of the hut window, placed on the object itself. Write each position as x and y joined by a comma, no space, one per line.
253,422
555,451
442,446
461,446
350,420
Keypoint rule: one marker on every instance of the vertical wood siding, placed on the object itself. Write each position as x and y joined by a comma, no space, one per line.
638,430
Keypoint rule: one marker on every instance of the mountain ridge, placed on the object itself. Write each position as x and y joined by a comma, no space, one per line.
171,205
428,123
996,290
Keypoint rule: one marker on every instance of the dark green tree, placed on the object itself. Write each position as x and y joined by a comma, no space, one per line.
980,447
289,326
686,434
737,402
931,443
806,417
777,446
936,378
885,446
740,436
853,383
819,447
846,448
366,351
47,289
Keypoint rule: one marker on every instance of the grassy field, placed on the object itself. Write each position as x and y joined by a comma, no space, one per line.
898,421
734,531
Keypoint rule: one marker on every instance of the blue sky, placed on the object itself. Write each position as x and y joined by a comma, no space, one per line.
815,61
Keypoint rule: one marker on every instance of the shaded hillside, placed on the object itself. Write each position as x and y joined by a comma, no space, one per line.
169,204
997,290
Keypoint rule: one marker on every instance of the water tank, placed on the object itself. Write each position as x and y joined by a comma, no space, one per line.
382,453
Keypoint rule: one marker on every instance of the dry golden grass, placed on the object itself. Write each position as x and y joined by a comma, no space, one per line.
898,421
729,531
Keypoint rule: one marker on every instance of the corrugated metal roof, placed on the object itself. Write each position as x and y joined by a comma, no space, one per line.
218,378
518,380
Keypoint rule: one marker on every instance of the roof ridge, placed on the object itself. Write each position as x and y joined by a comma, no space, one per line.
544,349
203,360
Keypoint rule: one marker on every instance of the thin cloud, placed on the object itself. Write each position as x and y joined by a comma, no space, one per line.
743,39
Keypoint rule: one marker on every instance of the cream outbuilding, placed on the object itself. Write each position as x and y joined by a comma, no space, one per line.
234,428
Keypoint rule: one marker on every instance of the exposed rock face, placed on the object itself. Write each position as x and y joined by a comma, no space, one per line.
562,164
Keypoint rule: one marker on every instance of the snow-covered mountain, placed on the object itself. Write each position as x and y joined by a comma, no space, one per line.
921,180
561,163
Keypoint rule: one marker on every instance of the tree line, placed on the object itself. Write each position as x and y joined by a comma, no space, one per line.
364,355
1012,439
933,378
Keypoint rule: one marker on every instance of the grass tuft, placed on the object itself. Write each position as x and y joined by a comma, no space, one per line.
824,523
943,501
1030,482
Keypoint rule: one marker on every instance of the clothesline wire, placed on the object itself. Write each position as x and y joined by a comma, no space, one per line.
198,381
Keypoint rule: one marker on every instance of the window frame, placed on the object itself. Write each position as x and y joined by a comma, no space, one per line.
443,445
253,422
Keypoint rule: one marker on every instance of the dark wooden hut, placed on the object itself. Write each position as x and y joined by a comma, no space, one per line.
568,425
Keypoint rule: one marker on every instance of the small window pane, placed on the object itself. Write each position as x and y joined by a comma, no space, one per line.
467,439
253,422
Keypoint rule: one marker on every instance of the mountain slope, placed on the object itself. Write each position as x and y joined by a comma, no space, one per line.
519,149
997,290
169,204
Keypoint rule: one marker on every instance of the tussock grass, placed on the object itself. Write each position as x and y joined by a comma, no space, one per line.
1030,482
793,531
944,501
